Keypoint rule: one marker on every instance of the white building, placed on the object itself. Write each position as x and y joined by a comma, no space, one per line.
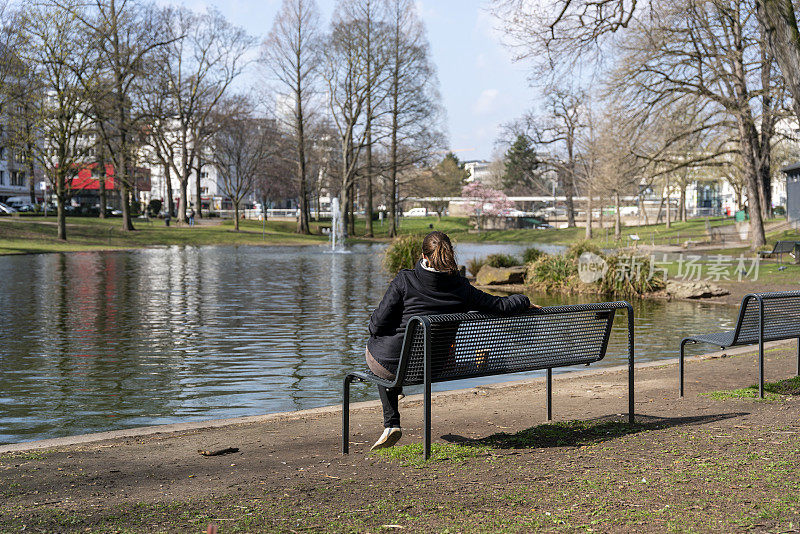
13,178
478,170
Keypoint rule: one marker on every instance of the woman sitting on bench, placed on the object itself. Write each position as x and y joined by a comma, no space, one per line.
433,286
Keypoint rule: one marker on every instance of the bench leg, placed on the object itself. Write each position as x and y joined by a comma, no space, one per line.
549,394
761,348
427,418
346,415
680,370
761,368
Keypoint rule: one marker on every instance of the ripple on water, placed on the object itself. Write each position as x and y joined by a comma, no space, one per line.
102,341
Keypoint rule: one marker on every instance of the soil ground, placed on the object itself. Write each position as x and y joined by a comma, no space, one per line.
724,463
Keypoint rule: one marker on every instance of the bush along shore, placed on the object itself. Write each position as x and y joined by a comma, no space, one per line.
584,268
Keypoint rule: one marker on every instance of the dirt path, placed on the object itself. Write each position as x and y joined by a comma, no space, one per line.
696,464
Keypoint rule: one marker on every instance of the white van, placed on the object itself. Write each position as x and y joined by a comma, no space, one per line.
416,212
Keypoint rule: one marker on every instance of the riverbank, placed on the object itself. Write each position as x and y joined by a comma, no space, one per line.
34,234
700,464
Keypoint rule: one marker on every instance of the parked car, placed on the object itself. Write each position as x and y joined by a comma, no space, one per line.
513,213
416,212
24,207
6,209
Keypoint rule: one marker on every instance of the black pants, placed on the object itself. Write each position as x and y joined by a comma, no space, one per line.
389,400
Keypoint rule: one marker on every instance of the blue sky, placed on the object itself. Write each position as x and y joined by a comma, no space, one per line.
481,87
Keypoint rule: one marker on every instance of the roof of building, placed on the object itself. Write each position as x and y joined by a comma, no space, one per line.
791,168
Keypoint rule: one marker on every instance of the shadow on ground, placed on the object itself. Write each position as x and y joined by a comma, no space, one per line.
574,433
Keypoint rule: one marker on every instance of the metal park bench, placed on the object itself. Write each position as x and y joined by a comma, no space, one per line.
762,317
439,348
781,248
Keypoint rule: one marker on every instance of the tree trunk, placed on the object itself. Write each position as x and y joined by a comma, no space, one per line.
393,168
125,194
765,177
236,216
600,219
368,211
302,223
101,184
682,204
588,234
569,191
182,205
31,181
779,20
61,198
170,200
644,210
669,203
660,210
351,207
756,236
198,204
617,217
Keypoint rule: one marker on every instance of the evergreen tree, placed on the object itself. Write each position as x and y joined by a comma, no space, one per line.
521,167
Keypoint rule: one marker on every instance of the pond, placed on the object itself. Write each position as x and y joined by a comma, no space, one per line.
101,341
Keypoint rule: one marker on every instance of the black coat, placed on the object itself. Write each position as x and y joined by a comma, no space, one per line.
421,292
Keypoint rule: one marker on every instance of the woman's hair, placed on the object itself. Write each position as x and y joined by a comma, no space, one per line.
439,250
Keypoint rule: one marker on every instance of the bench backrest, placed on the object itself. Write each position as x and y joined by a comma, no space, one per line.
783,247
781,317
469,345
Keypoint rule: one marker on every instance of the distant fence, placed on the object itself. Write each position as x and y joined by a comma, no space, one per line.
277,213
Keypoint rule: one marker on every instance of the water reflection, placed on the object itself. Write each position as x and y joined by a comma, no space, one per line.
101,341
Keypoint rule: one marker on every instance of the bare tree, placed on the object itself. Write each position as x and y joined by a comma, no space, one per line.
290,53
556,131
374,14
242,144
349,83
57,122
415,112
123,33
709,51
619,170
204,55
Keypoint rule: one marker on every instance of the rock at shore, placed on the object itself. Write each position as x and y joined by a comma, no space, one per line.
490,276
693,289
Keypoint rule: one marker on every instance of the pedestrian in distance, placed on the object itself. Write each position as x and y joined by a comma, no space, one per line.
433,286
191,216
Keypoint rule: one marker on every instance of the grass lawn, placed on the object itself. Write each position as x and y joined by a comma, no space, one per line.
39,234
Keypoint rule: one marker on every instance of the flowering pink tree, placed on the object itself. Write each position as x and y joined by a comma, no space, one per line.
484,202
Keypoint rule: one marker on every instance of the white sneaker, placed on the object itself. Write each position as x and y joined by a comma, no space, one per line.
389,437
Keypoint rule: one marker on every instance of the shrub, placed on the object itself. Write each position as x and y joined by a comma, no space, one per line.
531,254
502,260
552,271
154,207
576,249
629,276
474,265
402,253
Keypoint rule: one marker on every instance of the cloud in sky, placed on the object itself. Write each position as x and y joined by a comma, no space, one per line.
485,103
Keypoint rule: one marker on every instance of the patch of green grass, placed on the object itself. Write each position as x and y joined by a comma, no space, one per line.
772,391
31,455
412,455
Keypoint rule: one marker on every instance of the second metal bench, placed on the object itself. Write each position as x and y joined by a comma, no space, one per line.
762,317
